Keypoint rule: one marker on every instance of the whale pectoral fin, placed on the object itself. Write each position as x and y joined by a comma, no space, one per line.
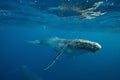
56,58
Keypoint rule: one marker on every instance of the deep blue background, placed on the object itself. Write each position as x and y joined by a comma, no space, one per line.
25,22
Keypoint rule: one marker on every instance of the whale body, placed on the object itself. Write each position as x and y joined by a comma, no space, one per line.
71,47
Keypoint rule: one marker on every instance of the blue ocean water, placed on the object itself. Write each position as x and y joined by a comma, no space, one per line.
24,20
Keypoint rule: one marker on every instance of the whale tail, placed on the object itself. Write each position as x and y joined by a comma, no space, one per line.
35,42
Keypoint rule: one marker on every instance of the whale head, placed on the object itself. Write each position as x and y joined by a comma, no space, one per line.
88,45
95,46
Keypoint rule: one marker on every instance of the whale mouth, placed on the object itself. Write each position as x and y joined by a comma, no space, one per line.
98,45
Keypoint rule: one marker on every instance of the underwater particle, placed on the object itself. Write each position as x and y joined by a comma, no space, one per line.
87,0
20,1
106,0
5,12
112,4
39,7
68,0
44,27
35,1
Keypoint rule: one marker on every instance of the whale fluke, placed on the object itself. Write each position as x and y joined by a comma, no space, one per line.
34,42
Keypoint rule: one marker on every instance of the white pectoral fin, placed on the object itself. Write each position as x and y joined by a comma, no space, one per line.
56,58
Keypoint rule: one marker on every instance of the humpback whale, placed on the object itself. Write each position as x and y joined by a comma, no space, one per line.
80,12
68,46
26,74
